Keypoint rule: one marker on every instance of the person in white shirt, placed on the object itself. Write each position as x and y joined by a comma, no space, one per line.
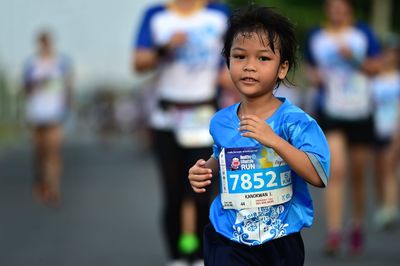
181,41
341,55
47,84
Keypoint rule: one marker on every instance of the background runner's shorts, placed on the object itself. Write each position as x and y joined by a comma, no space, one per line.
358,131
381,143
218,250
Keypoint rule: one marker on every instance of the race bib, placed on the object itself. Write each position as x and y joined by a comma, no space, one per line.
191,126
253,177
348,95
46,105
386,118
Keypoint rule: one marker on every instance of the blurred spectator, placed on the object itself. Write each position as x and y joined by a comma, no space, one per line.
47,83
182,40
340,56
104,113
293,93
386,96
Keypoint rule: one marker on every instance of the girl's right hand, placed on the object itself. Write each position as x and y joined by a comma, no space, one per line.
200,176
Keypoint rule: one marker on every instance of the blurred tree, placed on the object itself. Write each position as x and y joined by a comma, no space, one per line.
9,109
3,95
395,17
381,16
308,13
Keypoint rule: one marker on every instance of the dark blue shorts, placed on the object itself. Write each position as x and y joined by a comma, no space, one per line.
359,131
284,251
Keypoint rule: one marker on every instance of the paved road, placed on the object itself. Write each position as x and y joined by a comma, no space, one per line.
110,214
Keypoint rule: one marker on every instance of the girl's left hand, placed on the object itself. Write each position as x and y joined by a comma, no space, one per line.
254,127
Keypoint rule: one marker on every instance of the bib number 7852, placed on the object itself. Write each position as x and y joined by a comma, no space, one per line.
254,181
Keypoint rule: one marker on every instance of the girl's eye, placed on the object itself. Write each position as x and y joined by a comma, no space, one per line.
238,56
263,58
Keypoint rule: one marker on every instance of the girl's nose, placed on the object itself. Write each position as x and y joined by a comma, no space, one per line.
249,67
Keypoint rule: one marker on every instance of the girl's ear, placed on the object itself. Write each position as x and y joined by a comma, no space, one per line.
283,70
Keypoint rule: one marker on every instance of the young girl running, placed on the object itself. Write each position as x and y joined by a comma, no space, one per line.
265,148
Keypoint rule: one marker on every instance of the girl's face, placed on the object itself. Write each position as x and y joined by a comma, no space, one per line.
390,57
45,44
338,11
254,67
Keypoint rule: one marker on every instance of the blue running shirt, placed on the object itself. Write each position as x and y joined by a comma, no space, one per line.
189,74
346,90
47,103
386,96
254,226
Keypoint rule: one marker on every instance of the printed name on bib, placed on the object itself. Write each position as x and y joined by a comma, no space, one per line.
253,177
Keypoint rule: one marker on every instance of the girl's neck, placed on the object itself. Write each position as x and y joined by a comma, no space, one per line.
46,55
390,69
262,107
339,27
186,7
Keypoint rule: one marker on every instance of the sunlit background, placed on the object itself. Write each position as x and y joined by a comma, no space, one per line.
111,207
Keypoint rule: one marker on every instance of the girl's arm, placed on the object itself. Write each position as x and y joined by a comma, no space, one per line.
201,172
313,75
256,128
297,160
145,59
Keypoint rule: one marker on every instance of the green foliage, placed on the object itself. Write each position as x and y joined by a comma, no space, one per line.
3,95
305,14
396,18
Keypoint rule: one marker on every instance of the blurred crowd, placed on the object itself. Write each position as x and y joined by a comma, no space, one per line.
351,85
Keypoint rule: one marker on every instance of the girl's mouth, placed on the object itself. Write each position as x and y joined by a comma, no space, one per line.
249,80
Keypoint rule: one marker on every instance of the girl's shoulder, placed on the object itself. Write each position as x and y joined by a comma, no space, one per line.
229,110
294,115
225,115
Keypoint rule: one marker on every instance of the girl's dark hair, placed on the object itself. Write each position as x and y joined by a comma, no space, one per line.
262,20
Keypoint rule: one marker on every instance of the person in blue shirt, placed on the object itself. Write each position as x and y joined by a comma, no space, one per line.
341,56
275,146
47,85
181,41
386,99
